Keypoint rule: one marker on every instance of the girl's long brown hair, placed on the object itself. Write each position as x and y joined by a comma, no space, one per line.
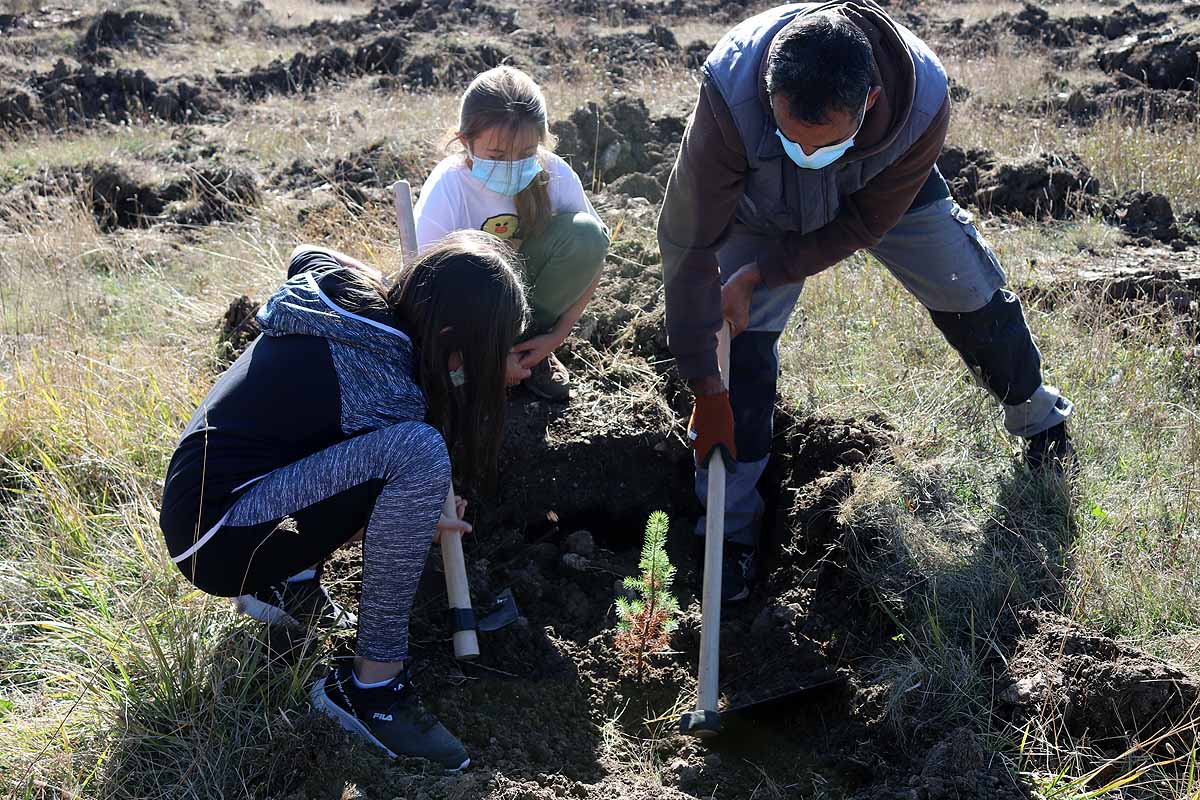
509,100
463,295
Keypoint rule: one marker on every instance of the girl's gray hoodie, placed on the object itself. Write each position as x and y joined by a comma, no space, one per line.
318,374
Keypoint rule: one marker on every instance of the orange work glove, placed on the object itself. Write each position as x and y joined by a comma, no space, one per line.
711,427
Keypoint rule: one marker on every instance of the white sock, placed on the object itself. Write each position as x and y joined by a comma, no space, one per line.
306,575
376,685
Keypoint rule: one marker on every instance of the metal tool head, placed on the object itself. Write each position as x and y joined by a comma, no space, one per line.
701,724
502,614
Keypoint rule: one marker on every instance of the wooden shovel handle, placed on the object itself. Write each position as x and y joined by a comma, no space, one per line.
458,592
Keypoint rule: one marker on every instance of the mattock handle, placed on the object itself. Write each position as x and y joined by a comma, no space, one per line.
402,199
705,721
458,592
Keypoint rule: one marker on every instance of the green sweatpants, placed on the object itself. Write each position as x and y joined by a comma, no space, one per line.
560,264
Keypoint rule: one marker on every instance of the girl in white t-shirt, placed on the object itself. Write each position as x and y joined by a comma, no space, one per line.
508,181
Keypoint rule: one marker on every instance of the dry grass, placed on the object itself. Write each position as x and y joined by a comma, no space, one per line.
47,150
334,121
119,680
977,10
229,55
302,12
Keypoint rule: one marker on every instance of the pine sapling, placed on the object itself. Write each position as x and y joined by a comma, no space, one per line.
645,622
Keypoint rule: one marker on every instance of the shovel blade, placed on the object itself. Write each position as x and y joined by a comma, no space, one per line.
750,702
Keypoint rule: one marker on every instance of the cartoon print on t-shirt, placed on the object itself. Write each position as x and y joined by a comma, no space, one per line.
502,226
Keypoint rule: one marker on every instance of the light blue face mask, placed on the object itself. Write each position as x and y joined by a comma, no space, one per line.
458,378
505,177
823,156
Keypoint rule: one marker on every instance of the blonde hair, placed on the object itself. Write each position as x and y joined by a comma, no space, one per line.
507,99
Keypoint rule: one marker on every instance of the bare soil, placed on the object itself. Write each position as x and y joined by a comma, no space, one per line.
548,710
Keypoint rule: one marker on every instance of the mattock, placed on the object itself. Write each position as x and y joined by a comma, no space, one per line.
458,593
463,622
705,721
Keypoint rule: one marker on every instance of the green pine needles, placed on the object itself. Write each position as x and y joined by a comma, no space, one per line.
645,622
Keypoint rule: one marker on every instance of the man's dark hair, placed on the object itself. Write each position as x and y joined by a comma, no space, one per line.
820,63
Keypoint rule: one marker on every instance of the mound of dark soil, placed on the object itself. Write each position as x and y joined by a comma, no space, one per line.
638,184
68,96
119,199
212,194
120,30
451,64
412,15
1161,59
1089,686
636,10
605,143
1040,186
300,73
696,53
1044,185
554,448
446,64
1170,280
19,108
627,309
1140,103
354,176
634,50
384,54
1149,218
1036,24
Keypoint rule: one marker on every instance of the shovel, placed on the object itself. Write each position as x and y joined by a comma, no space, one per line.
463,622
705,721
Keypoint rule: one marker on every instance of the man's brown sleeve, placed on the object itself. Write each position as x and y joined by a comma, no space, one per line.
865,216
697,213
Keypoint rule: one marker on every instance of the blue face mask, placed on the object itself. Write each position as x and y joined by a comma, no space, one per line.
823,156
505,177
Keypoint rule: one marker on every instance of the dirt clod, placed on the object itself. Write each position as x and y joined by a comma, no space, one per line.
638,184
623,50
1087,685
1149,218
607,142
123,29
581,543
71,96
1141,103
121,199
1166,59
954,767
1045,185
451,65
1036,24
